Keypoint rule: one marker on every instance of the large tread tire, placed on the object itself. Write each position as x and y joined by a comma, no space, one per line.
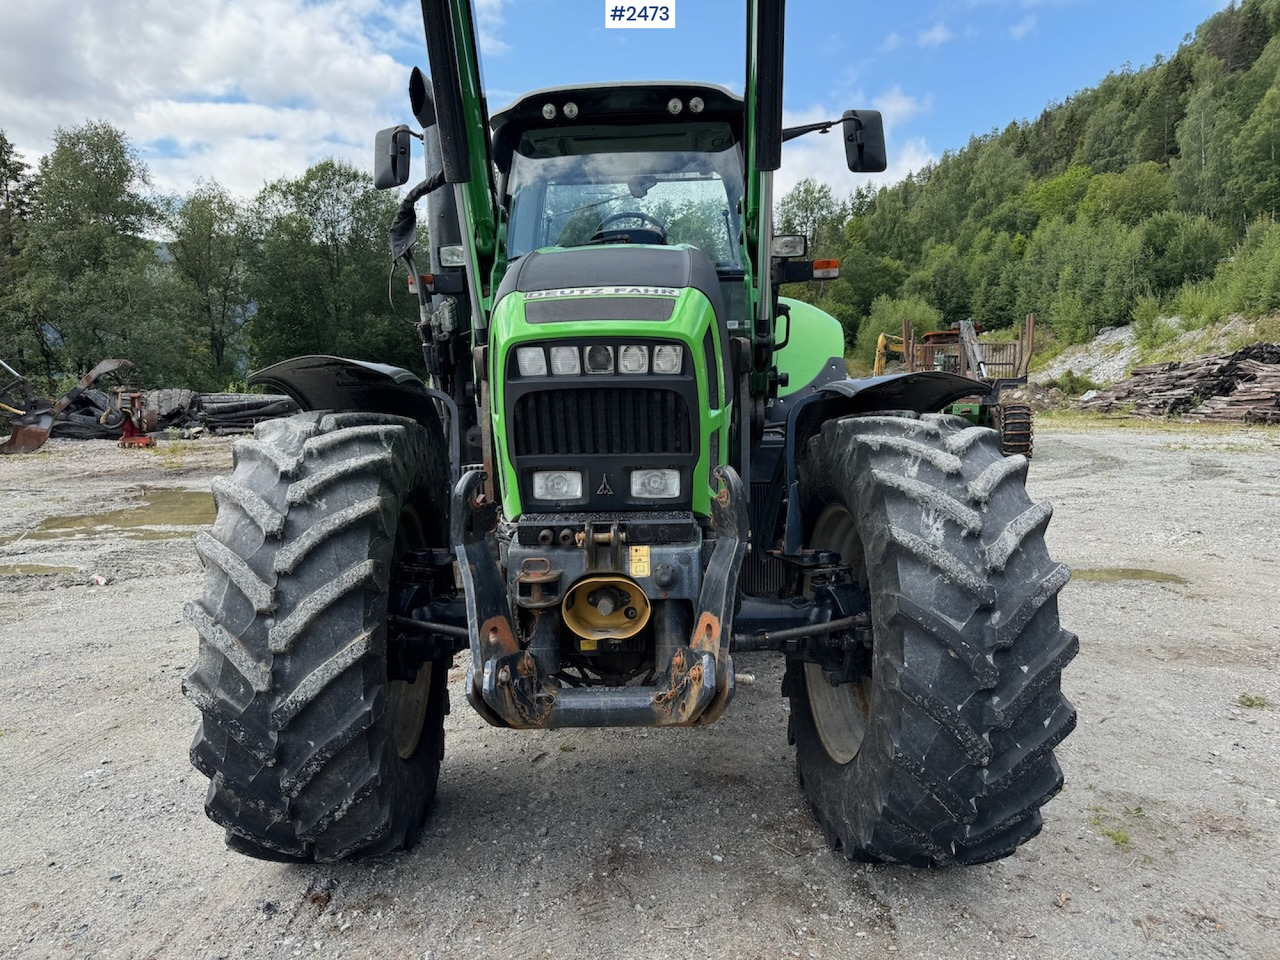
1015,421
963,707
292,682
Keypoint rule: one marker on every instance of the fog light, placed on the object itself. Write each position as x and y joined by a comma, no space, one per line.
668,359
655,484
557,485
531,361
565,361
633,359
599,358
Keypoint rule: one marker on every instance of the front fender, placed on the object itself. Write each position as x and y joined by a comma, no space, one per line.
925,392
336,383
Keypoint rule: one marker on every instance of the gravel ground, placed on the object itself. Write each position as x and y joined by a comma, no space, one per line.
660,843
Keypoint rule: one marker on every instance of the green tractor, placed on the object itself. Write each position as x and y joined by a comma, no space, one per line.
631,460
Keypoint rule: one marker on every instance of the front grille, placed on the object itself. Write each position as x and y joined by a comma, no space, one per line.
602,421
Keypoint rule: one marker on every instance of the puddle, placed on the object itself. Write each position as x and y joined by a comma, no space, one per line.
1115,574
33,570
157,515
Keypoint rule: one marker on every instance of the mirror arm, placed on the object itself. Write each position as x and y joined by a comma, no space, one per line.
790,133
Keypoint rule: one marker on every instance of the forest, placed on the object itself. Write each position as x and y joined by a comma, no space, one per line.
1154,194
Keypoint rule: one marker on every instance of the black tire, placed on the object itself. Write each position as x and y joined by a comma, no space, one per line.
313,752
963,705
1017,430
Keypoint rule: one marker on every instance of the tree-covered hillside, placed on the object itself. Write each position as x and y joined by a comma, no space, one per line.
1154,193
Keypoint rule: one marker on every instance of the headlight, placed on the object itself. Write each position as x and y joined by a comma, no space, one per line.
655,484
668,358
557,485
532,361
633,359
565,361
599,358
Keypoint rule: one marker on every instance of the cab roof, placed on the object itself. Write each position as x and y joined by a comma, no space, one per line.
626,104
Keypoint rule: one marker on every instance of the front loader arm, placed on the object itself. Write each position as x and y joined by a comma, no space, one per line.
763,104
463,118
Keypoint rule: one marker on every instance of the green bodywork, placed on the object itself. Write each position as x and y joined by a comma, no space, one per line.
812,338
690,319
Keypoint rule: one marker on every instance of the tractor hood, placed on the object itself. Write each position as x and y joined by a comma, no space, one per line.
629,275
592,417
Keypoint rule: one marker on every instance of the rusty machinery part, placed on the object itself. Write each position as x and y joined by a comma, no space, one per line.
1015,421
322,732
138,420
938,747
31,428
30,416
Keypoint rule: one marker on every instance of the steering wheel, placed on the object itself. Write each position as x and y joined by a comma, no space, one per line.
630,235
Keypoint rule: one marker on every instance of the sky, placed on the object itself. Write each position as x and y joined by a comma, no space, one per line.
247,91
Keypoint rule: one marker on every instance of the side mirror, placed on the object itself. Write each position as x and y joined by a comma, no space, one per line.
864,141
391,157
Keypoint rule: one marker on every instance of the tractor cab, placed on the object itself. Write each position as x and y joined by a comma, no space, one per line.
634,164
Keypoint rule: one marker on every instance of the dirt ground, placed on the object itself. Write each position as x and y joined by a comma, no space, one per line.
603,844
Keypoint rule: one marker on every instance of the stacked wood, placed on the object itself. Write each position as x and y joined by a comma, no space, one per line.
1243,387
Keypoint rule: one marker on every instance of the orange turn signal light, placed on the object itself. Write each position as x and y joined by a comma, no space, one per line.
826,269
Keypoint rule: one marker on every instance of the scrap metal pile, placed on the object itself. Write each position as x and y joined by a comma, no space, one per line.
127,414
97,414
1241,387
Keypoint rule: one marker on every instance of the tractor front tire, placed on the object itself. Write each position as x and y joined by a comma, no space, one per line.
314,751
941,752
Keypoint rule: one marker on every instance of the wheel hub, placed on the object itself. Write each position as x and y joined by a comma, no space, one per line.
840,711
407,703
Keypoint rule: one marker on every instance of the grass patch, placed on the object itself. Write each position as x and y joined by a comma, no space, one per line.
1253,701
173,454
1118,837
1074,384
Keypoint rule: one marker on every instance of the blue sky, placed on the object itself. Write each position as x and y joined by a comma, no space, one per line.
246,91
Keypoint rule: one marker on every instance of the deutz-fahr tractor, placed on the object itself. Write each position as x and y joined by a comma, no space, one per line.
630,461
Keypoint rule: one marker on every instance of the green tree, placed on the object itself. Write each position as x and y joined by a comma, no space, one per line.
1181,248
811,208
1200,173
15,208
942,281
1256,154
1130,197
1060,196
318,270
887,316
209,246
94,286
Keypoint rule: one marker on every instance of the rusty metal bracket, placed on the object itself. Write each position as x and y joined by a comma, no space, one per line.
491,628
688,687
513,689
713,632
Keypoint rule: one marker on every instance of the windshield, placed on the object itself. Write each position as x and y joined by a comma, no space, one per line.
569,191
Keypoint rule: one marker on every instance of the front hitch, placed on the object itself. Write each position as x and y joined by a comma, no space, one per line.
507,686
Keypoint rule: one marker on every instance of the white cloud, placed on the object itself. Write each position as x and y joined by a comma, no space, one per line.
821,156
935,36
1023,28
892,42
247,90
